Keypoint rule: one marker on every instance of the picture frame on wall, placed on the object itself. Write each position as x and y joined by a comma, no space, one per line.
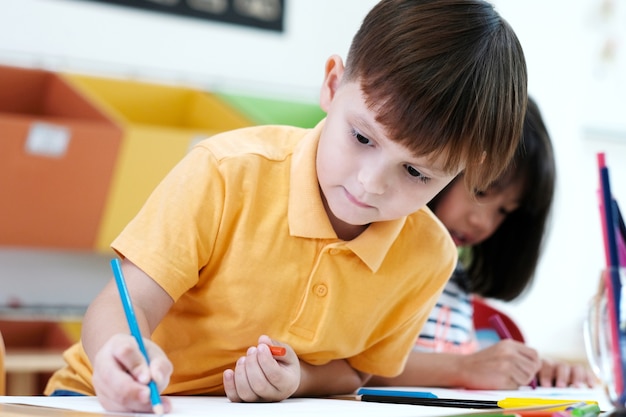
258,14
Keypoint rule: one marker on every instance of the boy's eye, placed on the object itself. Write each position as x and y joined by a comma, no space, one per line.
415,173
361,138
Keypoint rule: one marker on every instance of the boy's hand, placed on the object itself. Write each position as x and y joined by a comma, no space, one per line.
261,377
121,374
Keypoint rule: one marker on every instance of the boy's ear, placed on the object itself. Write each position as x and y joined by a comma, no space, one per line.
332,78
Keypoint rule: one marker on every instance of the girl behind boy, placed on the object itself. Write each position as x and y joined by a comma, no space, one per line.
500,232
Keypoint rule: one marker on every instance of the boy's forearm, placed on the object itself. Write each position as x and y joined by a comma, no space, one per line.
104,318
334,378
99,324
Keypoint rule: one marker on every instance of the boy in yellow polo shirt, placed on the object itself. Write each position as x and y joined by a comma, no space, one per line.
315,240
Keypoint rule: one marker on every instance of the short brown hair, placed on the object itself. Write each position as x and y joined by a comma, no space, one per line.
444,76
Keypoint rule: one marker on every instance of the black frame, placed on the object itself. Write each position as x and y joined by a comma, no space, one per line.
261,14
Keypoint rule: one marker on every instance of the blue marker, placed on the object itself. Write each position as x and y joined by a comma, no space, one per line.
155,399
395,393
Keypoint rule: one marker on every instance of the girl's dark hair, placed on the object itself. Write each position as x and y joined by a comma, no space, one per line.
503,265
445,77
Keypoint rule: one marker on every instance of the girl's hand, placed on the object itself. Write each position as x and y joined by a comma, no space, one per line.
121,375
261,377
506,365
561,375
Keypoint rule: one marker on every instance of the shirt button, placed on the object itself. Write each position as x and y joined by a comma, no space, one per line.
320,290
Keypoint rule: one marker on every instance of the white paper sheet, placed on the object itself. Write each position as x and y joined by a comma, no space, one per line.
317,407
222,407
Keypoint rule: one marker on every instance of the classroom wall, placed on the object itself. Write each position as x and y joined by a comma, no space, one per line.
581,94
578,81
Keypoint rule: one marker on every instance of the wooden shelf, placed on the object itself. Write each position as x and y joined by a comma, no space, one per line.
24,366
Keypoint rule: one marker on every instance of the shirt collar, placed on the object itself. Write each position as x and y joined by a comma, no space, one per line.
307,216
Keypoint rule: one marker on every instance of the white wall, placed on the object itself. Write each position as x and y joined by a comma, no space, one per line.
582,100
581,97
86,37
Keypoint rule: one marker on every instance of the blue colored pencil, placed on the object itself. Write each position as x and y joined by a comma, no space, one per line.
155,399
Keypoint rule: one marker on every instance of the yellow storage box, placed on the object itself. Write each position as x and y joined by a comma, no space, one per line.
160,122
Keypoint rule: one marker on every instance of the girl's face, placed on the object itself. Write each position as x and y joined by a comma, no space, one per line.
364,176
469,219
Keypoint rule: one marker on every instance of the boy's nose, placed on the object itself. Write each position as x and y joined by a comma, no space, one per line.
374,181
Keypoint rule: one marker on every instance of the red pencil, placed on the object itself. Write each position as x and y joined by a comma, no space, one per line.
504,333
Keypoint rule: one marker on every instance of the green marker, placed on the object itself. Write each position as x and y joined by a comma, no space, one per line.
588,410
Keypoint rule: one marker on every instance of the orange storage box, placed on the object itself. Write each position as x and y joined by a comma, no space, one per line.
57,152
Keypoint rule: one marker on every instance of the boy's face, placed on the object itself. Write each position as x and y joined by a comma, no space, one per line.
364,176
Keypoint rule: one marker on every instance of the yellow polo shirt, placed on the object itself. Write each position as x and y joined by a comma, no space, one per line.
238,236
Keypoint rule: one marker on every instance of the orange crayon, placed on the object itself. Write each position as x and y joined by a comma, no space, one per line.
278,350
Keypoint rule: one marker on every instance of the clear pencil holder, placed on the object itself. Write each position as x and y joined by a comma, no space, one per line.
605,338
